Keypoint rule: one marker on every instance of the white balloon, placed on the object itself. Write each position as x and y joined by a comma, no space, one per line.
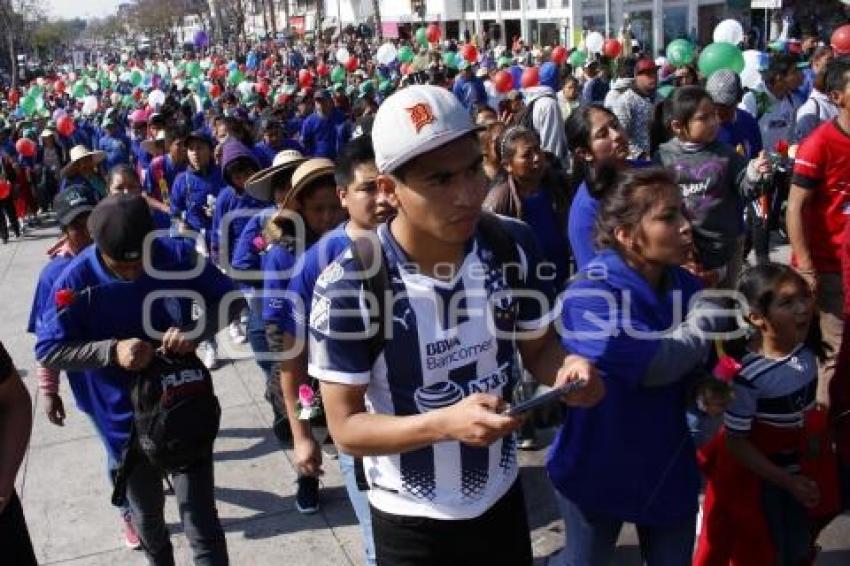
729,31
752,79
89,105
594,42
156,98
245,88
342,55
386,54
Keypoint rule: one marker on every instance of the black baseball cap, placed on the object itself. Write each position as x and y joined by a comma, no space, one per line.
71,203
202,136
119,225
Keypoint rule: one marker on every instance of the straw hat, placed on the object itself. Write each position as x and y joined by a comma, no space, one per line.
306,173
79,152
261,185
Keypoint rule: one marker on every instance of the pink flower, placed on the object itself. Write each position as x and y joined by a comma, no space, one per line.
259,243
305,395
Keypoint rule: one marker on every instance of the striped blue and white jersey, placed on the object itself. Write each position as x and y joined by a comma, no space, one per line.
448,338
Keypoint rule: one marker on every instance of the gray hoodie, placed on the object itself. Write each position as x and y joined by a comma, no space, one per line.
547,121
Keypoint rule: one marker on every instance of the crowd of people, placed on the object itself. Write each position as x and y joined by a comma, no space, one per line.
416,239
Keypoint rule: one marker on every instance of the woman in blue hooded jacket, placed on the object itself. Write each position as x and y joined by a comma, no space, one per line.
631,458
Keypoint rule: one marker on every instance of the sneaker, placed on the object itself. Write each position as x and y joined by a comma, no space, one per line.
237,335
307,496
208,355
131,537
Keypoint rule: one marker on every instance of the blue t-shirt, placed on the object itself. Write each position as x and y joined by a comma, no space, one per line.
141,157
580,226
540,216
190,194
247,254
309,266
117,152
446,339
744,131
233,210
277,263
105,307
631,457
319,136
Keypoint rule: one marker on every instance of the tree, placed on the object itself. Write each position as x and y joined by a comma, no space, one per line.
16,19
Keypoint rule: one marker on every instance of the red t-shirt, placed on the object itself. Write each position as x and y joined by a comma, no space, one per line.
822,165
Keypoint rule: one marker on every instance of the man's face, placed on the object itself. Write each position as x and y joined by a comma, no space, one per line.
646,82
442,191
77,232
366,206
794,79
125,184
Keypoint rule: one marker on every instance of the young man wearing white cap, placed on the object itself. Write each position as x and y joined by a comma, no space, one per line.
423,404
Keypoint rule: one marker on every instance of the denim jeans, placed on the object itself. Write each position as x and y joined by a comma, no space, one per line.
591,541
360,502
256,333
194,493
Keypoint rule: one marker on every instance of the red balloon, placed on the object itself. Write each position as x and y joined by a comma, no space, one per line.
26,147
263,87
322,69
215,90
612,48
404,68
137,94
433,33
352,64
59,87
65,125
305,79
840,40
559,55
470,53
503,81
269,62
530,77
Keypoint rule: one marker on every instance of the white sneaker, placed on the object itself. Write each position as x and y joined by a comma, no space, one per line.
208,355
237,334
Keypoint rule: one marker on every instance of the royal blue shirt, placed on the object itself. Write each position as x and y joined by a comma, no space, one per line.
630,457
94,315
233,210
319,136
538,213
116,150
265,154
190,194
277,263
250,245
307,269
158,171
744,131
580,227
140,156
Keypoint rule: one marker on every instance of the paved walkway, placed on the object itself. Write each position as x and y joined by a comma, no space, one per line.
65,491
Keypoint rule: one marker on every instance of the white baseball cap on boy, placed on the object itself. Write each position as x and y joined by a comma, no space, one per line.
416,120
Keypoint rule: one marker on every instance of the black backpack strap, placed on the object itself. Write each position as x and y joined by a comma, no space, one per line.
367,251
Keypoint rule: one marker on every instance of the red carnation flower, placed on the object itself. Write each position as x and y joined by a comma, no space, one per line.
64,298
782,148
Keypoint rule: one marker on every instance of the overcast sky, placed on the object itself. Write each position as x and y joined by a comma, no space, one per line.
81,8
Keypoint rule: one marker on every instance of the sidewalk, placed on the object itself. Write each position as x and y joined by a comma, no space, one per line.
65,492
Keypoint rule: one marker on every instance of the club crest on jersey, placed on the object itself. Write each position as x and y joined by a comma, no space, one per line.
331,274
421,115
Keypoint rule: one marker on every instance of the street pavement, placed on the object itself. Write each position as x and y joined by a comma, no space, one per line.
65,491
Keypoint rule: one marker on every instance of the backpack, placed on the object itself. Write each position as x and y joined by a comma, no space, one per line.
367,250
176,415
525,117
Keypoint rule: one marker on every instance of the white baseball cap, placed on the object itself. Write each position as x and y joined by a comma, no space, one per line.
416,120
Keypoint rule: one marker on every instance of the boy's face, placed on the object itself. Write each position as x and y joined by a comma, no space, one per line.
366,206
841,98
199,154
441,192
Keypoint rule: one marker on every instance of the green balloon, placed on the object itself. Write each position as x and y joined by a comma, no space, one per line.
578,58
128,101
39,104
136,77
720,56
338,75
79,89
680,52
405,54
664,91
235,77
35,91
450,59
28,105
504,61
194,69
105,83
422,36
